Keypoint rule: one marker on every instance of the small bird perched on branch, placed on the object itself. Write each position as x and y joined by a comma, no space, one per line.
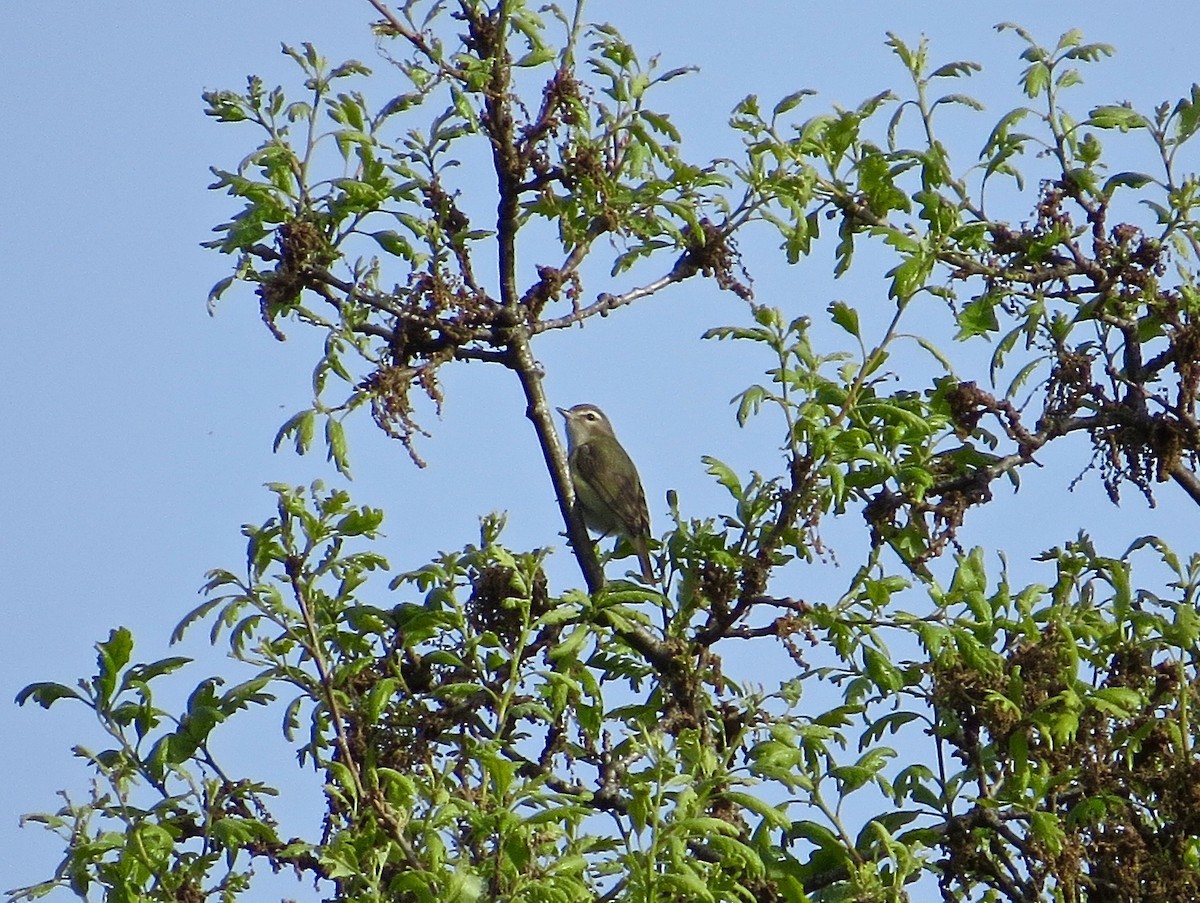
606,481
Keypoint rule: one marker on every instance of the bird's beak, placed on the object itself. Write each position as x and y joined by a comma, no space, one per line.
566,414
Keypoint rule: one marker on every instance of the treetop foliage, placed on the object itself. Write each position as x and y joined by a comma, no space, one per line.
484,735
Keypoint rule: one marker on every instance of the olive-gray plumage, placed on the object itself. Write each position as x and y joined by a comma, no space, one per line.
606,481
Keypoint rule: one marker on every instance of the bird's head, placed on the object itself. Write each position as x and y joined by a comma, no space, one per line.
584,422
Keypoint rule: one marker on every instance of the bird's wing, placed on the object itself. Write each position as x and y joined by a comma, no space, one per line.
620,489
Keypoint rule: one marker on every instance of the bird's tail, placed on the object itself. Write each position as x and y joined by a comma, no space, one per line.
643,554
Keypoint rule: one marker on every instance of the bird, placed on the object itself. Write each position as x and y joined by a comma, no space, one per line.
606,482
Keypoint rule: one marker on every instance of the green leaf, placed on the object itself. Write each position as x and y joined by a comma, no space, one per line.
791,101
725,476
360,521
300,428
145,673
682,883
394,243
569,647
846,317
978,317
536,57
910,275
956,69
1036,79
1125,180
235,833
113,656
46,694
772,815
1116,116
662,125
750,402
935,353
964,100
1046,828
882,672
1187,116
215,293
891,722
1185,628
335,438
1120,702
818,835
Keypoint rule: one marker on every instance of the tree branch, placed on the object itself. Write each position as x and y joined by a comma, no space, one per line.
607,302
555,456
1187,480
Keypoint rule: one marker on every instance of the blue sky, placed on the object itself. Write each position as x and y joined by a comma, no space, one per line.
138,428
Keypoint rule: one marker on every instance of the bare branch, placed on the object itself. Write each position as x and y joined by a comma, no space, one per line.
606,303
